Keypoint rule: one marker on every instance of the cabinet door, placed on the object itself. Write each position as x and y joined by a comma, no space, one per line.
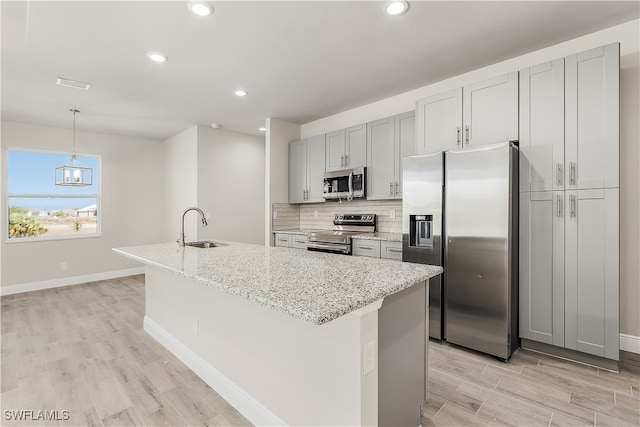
356,146
315,168
283,240
592,118
542,127
335,150
405,145
542,267
439,122
297,171
592,272
490,111
381,159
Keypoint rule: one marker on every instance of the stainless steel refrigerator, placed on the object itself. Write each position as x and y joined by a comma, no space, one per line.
460,210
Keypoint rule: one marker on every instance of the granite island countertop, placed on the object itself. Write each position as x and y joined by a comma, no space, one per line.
313,286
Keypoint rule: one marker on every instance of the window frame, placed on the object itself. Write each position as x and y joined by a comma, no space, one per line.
44,238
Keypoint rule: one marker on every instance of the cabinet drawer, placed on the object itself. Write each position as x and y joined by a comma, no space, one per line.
283,240
298,241
391,250
362,247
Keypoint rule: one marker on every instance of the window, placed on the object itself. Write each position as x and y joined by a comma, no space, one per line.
41,210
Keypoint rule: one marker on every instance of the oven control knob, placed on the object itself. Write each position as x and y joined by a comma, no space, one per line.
335,217
340,217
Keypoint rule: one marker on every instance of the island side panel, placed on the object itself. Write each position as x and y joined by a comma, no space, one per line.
402,376
288,370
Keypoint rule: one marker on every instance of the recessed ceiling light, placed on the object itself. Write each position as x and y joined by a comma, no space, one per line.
157,56
72,83
215,125
241,92
262,129
200,8
397,7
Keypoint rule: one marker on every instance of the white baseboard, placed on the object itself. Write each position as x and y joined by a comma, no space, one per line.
252,409
630,343
67,281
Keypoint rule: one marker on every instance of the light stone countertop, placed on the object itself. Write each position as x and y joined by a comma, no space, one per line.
300,231
313,286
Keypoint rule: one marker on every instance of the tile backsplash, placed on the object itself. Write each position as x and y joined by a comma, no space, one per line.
304,216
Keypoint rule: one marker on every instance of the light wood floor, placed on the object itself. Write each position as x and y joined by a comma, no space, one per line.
83,349
467,388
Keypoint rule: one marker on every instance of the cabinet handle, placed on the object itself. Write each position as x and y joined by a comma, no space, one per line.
394,250
458,136
365,247
572,173
466,134
396,188
559,175
301,241
342,161
572,202
346,160
391,188
559,202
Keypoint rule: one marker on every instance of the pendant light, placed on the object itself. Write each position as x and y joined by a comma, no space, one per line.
73,174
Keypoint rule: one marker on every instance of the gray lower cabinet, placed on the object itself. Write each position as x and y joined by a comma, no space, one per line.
299,241
364,247
592,272
283,239
569,269
288,240
391,250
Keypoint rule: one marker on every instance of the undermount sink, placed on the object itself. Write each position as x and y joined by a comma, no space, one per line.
204,244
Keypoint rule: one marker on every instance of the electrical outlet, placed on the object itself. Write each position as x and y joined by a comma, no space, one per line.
63,265
369,358
315,214
275,214
195,325
392,214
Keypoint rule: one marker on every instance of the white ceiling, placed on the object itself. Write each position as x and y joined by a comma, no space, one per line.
298,60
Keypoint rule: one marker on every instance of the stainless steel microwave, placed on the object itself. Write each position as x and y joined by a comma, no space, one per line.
345,184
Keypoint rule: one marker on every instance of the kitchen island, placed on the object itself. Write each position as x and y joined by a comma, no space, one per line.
294,337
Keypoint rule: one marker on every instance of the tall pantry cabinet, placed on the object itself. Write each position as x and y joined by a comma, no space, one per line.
569,207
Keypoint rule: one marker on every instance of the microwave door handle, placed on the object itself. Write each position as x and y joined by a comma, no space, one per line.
351,185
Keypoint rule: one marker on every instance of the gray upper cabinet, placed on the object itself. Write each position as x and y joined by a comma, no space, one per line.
306,170
490,111
346,148
482,113
335,146
592,118
388,140
542,127
439,122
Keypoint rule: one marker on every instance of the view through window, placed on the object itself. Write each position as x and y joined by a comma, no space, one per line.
41,210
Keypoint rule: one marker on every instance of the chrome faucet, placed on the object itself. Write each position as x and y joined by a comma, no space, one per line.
204,222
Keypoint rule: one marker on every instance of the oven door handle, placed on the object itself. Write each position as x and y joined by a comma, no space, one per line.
332,248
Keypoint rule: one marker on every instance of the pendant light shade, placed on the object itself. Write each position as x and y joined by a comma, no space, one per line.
74,174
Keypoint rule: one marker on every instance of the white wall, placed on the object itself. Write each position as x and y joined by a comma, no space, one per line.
628,36
279,134
231,171
180,183
132,211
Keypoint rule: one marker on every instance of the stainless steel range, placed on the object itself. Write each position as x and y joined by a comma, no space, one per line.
344,226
